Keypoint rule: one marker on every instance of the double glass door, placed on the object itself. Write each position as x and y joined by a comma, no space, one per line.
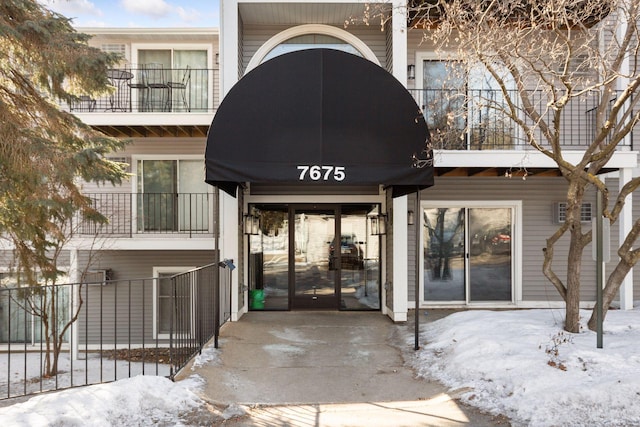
314,257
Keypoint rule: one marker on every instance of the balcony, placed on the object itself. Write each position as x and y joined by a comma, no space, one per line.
475,119
149,214
148,101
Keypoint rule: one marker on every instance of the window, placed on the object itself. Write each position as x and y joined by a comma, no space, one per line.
464,106
172,196
172,302
311,36
470,252
174,65
311,41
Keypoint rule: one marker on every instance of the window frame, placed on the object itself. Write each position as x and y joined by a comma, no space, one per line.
172,270
516,261
135,159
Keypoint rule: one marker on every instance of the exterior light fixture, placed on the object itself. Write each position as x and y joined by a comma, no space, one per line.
378,224
410,218
251,224
411,72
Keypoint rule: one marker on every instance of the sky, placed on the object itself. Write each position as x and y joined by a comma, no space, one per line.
138,13
516,363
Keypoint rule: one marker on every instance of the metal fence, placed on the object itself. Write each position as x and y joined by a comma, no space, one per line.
478,119
122,328
148,213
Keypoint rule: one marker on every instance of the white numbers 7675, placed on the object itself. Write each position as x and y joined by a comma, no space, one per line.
321,173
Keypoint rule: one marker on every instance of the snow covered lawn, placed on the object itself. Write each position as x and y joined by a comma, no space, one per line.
521,364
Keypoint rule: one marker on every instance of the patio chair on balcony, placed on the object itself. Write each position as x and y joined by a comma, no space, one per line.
83,104
158,88
140,83
179,88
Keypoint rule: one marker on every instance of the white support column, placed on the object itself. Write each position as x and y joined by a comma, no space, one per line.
400,260
229,36
625,222
625,175
399,39
230,245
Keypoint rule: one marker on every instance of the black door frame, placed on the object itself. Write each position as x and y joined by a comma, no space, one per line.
315,302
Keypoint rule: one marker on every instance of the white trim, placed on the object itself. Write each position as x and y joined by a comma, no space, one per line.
300,30
420,58
625,224
171,47
305,200
516,256
134,185
400,280
156,272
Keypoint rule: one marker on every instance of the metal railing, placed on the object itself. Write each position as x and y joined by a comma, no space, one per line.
131,214
477,119
144,89
123,328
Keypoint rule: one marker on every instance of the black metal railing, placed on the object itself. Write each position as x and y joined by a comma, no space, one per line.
146,89
479,119
131,214
124,328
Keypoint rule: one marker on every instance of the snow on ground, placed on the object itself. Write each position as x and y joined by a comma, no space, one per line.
500,360
507,363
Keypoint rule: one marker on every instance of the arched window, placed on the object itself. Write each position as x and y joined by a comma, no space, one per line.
311,41
311,36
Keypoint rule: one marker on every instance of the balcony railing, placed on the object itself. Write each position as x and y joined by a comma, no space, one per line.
153,90
476,119
130,214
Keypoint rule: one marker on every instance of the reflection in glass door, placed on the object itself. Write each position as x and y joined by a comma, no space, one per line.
490,258
314,256
480,235
269,260
443,236
315,259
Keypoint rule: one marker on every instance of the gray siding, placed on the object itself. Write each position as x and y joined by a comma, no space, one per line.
126,305
538,196
254,37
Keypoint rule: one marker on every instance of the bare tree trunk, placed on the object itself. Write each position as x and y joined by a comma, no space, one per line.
572,317
610,291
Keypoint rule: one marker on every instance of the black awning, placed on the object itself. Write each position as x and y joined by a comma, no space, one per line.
318,116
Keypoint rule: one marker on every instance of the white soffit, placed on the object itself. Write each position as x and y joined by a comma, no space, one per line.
299,13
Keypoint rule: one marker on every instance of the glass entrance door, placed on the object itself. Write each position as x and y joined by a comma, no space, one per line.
315,258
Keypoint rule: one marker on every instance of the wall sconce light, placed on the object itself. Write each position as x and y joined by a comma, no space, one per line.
217,58
378,224
251,224
411,72
410,218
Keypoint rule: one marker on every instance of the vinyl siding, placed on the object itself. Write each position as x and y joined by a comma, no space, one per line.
538,196
254,37
115,311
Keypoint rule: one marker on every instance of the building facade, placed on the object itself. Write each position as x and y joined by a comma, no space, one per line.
473,239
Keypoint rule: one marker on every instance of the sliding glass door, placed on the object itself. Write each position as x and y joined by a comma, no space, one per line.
468,254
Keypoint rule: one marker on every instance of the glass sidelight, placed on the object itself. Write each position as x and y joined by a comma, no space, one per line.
269,260
360,251
468,254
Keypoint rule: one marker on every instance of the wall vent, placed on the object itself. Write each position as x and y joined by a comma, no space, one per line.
560,212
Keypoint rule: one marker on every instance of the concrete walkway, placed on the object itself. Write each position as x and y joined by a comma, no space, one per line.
325,369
